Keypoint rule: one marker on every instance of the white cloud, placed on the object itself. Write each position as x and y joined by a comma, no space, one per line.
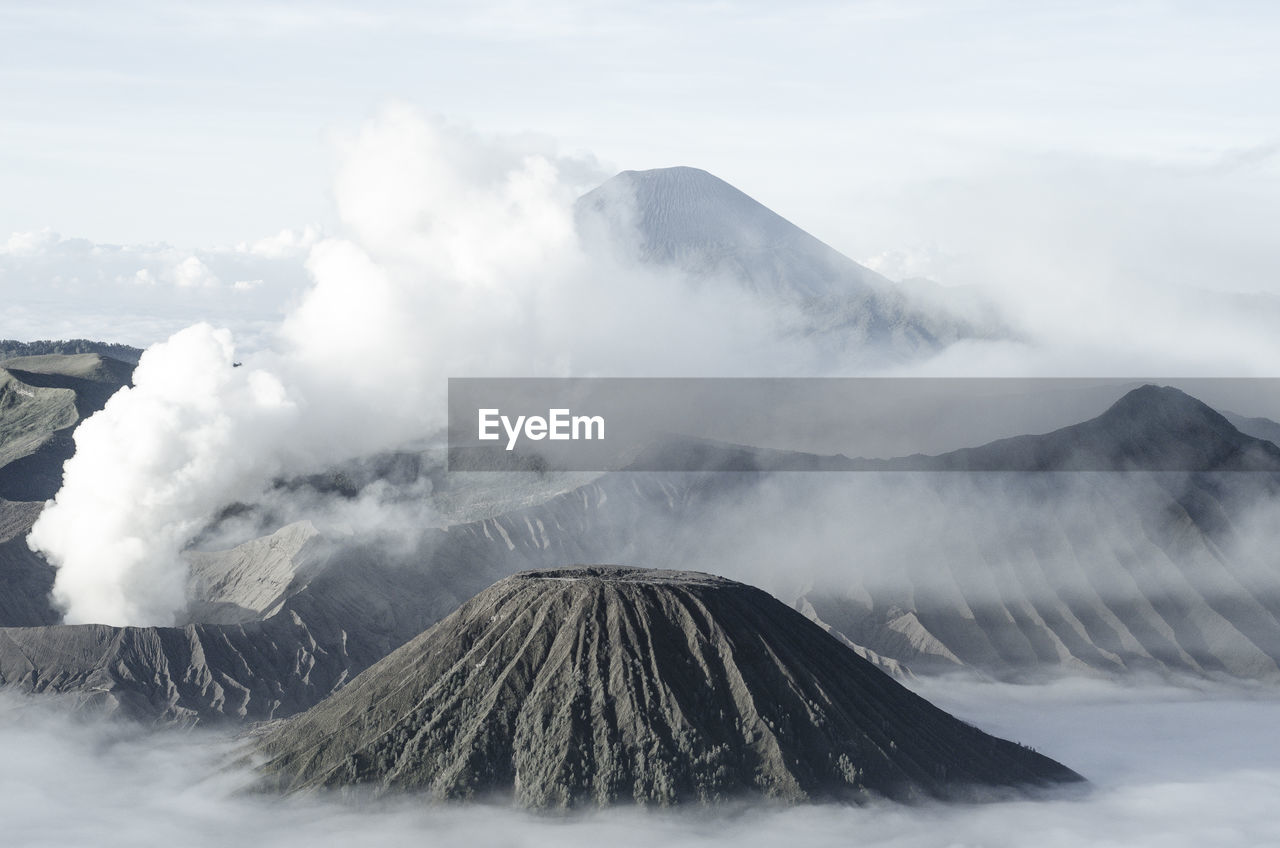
53,286
285,244
191,273
907,263
30,243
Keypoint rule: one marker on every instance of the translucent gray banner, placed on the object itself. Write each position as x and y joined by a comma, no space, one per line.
864,424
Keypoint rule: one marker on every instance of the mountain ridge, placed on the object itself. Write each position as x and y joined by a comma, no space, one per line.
1150,428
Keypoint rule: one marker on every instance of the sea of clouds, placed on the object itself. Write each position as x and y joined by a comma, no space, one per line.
1168,765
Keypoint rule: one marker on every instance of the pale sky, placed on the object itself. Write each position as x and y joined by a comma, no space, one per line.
207,123
1021,147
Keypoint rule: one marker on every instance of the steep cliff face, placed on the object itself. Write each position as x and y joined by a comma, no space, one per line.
598,685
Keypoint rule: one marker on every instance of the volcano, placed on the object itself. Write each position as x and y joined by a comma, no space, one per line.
601,685
687,219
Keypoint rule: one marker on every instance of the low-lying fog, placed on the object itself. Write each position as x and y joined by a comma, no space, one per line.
1170,766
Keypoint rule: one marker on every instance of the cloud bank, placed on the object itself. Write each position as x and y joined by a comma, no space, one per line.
1169,768
56,287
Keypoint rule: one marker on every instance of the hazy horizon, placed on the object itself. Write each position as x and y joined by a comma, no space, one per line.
1097,146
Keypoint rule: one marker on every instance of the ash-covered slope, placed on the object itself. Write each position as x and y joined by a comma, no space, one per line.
231,663
179,674
1023,576
252,580
327,613
688,219
598,685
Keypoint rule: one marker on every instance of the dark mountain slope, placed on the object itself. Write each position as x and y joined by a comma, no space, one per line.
25,578
42,399
180,674
1152,428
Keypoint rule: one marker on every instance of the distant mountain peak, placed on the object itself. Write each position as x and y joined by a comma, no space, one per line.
694,197
691,220
1163,414
1150,428
680,181
1151,402
676,175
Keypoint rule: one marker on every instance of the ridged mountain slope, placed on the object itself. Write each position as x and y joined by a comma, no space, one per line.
599,685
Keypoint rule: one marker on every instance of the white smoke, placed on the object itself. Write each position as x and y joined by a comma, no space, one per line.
459,258
151,468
